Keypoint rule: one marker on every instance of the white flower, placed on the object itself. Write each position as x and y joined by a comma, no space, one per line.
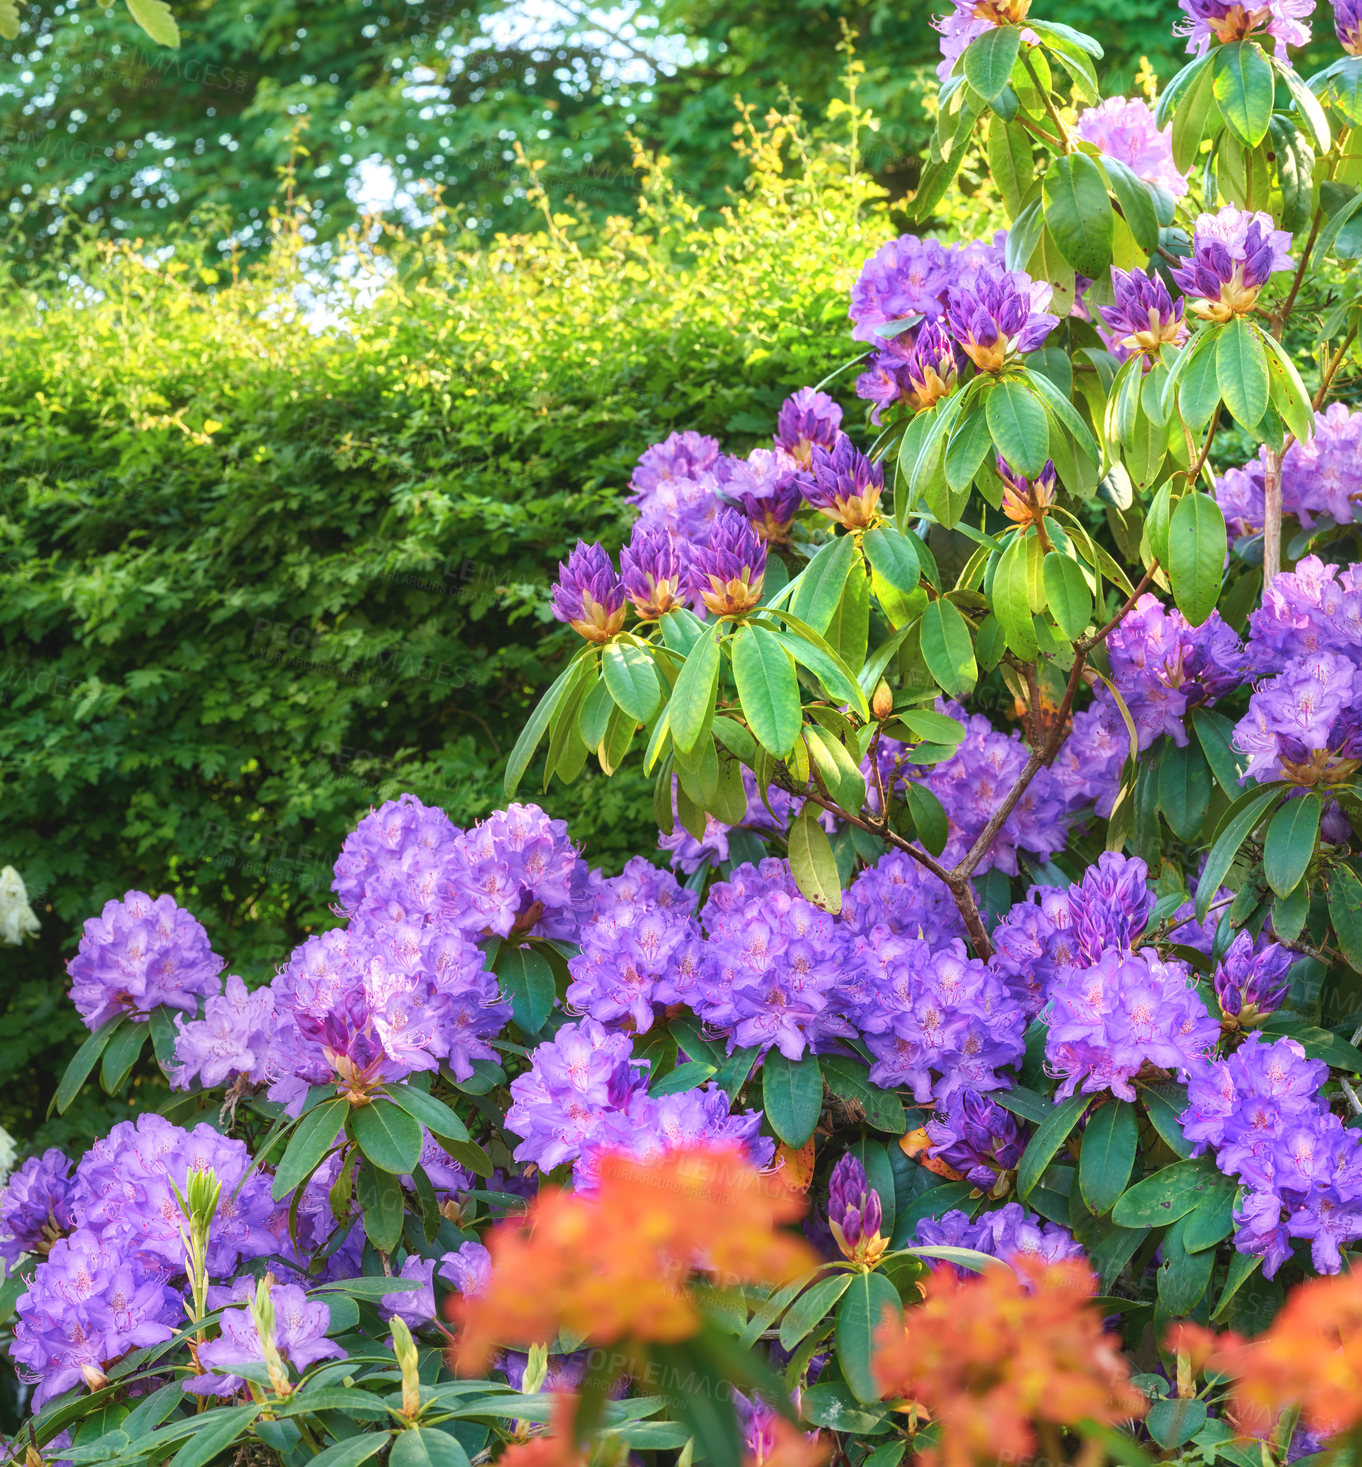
17,919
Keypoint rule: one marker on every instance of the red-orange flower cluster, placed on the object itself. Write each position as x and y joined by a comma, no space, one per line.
614,1264
1310,1357
993,1356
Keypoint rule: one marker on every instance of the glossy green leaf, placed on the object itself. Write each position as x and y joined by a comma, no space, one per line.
1164,1105
792,1095
1137,203
314,1135
632,679
929,818
84,1060
1241,371
948,649
767,689
120,1055
1067,594
1184,789
387,1136
532,734
812,863
870,1301
1195,115
894,558
989,59
215,1432
1110,1140
1019,425
1244,90
817,589
811,1307
1215,734
424,1446
1176,1420
1196,555
1232,834
1166,1196
1291,839
1049,1136
1345,912
1183,1277
691,708
1078,213
1010,163
849,1079
433,1114
840,773
527,977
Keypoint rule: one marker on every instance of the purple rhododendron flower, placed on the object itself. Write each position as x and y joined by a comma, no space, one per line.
1303,724
1320,477
844,485
854,1208
1087,768
1144,318
979,1139
807,418
300,1326
468,1270
1233,255
1251,982
655,571
394,859
589,595
728,568
900,896
1127,1010
1000,318
1110,907
675,484
767,486
35,1206
138,954
967,20
906,277
89,1302
237,1036
1123,128
1003,1232
1348,25
1229,20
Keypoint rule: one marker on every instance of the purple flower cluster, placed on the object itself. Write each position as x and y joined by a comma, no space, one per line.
675,485
1000,318
108,1285
640,947
1348,25
1286,21
1260,1110
138,954
1125,1011
584,1094
1251,981
772,965
1005,1232
589,595
1089,763
35,1206
854,1210
1320,477
1144,317
727,569
1233,255
1123,128
807,419
967,20
300,1326
844,485
898,896
767,486
981,1140
1162,666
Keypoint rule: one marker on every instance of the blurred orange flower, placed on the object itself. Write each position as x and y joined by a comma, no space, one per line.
614,1264
554,1448
995,1356
1310,1357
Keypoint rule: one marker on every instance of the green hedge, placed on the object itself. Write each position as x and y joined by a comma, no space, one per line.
275,549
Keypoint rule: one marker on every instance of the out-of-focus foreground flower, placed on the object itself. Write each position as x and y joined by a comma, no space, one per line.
994,1357
613,1264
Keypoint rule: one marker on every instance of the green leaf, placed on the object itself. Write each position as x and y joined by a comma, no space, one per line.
1176,1420
812,863
792,1095
691,709
155,18
1241,371
352,1451
948,649
894,558
314,1135
9,19
1136,201
1211,1221
1307,104
433,1114
684,1077
1019,425
1244,90
1079,215
817,589
1215,733
1288,392
1166,1196
527,977
1290,843
120,1055
1244,815
929,818
1010,595
424,1446
84,1060
1183,1276
1010,163
1242,1267
849,1080
1318,1043
767,689
1049,1136
387,1136
1345,912
632,680
969,446
1067,595
1196,555
1184,789
533,733
988,60
1110,1140
1195,114
870,1299
380,1199
836,768
1199,380
218,1431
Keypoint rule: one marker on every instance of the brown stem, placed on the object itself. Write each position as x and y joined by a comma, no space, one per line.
1272,516
1279,318
1054,116
1328,375
1196,467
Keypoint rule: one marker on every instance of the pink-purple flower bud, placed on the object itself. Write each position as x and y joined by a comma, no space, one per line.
729,568
589,596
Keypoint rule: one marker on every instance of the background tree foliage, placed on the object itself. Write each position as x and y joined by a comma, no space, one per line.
98,124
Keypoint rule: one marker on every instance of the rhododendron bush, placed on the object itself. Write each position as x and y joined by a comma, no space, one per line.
971,1071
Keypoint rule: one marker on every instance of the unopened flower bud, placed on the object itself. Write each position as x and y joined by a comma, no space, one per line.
882,703
854,1213
589,596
